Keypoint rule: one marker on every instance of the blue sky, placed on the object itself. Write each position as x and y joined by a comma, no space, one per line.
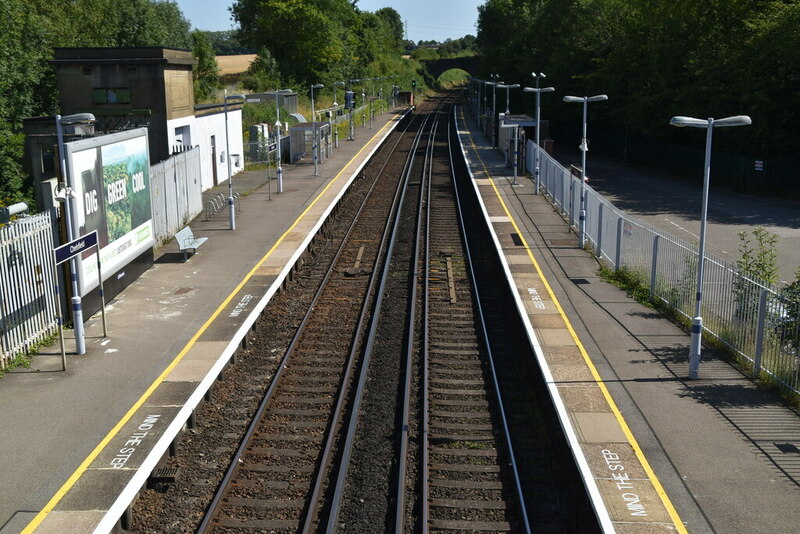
425,19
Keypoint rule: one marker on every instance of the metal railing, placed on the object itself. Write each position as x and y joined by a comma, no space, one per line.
750,317
28,308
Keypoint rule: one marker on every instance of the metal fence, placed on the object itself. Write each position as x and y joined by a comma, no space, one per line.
754,320
176,193
27,281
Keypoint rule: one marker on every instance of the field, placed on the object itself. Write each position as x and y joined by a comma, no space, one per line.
234,64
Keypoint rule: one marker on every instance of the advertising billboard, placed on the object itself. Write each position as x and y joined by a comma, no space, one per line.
110,178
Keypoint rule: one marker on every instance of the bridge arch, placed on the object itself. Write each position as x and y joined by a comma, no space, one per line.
437,66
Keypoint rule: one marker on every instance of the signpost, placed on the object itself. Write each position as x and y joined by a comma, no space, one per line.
66,252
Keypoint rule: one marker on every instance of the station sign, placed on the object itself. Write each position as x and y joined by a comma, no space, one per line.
75,247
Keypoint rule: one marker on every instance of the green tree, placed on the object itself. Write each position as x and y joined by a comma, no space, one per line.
395,29
206,72
657,58
24,91
263,73
313,38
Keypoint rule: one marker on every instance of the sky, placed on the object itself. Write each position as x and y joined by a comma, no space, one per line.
424,19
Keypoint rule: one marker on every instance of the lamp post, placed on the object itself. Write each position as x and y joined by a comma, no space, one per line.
352,110
336,115
228,157
494,77
278,125
697,322
314,127
77,308
584,147
279,169
486,105
479,84
508,89
538,92
371,99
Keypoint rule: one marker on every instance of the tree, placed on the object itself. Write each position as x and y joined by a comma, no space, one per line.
263,73
206,72
313,39
24,90
394,27
659,58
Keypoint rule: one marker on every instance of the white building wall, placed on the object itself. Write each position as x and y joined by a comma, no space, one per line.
201,130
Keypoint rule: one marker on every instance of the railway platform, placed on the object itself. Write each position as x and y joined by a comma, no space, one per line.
661,452
78,445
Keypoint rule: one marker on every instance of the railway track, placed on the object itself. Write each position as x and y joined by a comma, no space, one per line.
385,411
277,475
453,467
470,479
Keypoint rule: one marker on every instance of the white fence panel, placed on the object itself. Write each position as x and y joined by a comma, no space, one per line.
177,195
27,281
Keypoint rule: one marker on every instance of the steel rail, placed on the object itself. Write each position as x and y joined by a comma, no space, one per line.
485,334
222,489
319,484
423,216
338,495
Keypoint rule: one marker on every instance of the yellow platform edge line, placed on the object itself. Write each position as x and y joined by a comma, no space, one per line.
665,500
78,473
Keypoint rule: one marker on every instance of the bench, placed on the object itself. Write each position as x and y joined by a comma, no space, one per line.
187,241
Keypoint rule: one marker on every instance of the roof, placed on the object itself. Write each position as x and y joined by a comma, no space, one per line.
108,55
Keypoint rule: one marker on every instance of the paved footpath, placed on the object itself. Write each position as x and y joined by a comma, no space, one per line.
72,441
726,453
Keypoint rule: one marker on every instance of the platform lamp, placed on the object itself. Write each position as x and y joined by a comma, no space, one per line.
314,127
584,148
697,322
77,307
495,80
231,208
486,101
479,84
508,88
538,91
336,115
352,136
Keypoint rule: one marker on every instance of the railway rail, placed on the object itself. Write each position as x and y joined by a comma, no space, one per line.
385,412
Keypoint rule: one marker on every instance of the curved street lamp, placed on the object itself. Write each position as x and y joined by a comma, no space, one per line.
697,322
584,147
538,92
